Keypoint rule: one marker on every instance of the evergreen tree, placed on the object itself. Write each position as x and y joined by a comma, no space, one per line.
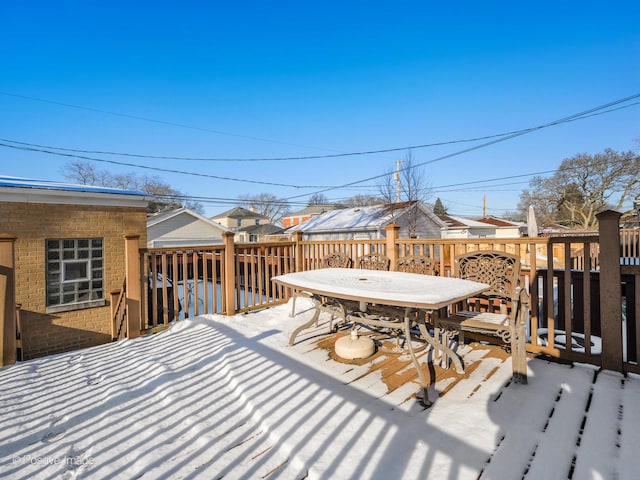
439,208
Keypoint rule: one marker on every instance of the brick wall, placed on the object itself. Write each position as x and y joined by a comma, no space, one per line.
293,221
32,223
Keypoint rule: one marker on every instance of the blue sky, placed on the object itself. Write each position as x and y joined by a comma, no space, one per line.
281,79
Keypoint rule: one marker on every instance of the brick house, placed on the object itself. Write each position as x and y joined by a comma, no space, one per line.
69,256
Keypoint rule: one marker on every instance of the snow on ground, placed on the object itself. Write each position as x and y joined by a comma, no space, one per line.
219,396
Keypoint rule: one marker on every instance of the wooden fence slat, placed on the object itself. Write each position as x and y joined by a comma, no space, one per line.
205,280
185,283
154,290
586,285
567,296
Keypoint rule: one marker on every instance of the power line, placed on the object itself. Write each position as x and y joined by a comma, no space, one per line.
152,120
573,117
324,188
436,189
158,169
219,200
335,155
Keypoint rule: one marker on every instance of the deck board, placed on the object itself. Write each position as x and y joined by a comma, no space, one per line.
521,449
227,396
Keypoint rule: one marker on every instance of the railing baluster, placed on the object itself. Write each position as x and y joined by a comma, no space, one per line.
196,277
174,282
185,283
205,280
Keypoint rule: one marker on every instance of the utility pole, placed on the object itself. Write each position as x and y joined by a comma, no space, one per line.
396,175
484,206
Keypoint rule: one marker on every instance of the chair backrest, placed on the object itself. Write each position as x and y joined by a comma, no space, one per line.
501,270
336,260
414,264
373,261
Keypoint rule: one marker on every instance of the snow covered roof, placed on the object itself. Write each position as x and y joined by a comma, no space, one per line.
459,222
358,218
26,190
17,182
499,222
164,216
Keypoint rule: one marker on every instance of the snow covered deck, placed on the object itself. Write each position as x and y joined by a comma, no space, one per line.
227,397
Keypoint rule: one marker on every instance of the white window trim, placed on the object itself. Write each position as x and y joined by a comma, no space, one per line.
83,279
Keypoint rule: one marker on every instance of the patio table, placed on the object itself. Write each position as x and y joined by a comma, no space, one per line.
402,293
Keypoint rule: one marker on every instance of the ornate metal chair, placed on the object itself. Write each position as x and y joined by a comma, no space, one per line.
373,261
500,313
336,260
416,264
333,260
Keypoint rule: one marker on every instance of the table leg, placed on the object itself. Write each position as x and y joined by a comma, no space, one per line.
424,383
438,344
306,325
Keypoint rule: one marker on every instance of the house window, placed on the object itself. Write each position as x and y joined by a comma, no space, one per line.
239,222
75,273
257,221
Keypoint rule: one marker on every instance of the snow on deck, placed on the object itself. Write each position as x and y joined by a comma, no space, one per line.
227,397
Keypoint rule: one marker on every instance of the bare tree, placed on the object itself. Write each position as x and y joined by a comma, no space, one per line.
583,186
318,199
85,173
164,196
406,183
363,201
266,204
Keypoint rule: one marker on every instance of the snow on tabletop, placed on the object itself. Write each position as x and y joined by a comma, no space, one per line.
383,285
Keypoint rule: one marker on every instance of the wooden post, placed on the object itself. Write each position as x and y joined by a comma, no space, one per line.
7,300
393,231
297,238
133,295
610,290
229,273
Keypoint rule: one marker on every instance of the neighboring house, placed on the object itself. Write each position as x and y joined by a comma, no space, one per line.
363,223
486,227
631,219
257,233
458,227
69,257
182,227
238,218
308,212
505,228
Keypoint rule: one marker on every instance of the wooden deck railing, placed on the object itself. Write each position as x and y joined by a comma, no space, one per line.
562,275
178,283
585,288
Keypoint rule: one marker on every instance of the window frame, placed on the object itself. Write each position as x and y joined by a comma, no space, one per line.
60,255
